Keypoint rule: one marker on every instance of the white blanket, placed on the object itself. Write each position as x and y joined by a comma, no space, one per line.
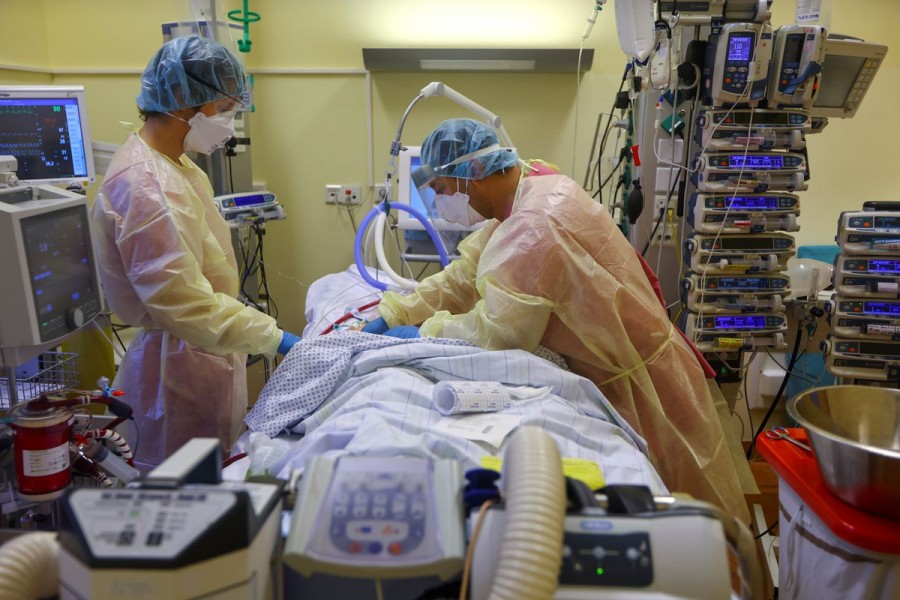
361,394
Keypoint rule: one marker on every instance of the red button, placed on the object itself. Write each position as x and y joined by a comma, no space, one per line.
355,547
395,548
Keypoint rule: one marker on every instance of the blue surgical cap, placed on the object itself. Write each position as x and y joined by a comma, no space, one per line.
457,137
190,71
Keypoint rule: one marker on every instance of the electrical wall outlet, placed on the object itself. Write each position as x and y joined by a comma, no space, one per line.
665,233
332,192
350,195
380,192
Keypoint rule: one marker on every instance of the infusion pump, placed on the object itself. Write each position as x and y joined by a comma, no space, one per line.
867,232
742,171
734,293
733,254
743,50
863,359
727,333
750,213
869,318
744,129
796,67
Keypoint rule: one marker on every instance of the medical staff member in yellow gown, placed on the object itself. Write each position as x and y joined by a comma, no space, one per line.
166,260
551,268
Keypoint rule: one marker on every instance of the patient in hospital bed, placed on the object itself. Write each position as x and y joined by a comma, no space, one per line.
355,393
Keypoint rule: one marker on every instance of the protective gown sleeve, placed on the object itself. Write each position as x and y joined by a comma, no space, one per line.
159,243
516,287
453,289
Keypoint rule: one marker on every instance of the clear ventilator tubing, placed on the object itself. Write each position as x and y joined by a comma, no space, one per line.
531,553
29,567
379,211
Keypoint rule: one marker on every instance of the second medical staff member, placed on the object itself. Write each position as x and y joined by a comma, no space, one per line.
552,268
166,260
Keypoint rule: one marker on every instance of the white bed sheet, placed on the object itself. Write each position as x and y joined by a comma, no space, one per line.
331,297
365,395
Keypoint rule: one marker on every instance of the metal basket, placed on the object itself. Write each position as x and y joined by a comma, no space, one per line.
55,370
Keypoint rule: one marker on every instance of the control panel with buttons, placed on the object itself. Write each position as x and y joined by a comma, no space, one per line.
360,516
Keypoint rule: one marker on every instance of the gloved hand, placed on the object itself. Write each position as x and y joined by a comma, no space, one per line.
378,326
287,342
404,332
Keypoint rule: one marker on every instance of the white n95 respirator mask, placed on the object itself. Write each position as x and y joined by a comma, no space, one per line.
207,134
456,209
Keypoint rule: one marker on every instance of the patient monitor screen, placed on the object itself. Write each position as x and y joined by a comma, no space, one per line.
415,199
838,76
58,247
45,136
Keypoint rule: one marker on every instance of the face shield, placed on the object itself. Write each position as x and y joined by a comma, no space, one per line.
423,177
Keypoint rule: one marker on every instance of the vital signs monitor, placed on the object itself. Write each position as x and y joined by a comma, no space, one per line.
46,129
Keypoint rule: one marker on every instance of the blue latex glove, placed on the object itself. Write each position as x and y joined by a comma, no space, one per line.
287,342
404,332
378,326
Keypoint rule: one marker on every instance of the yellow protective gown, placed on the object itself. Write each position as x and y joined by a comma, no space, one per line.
559,273
167,266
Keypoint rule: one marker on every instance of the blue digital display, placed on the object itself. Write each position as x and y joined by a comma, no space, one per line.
881,308
755,161
740,46
754,202
740,322
739,283
884,266
887,222
253,200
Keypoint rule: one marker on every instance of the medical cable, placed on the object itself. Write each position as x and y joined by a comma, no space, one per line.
115,348
271,305
330,304
622,154
784,381
768,529
233,459
609,126
715,127
802,377
590,162
114,437
591,21
350,315
352,220
662,213
250,268
470,550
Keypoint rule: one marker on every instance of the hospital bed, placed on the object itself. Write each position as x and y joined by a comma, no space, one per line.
349,393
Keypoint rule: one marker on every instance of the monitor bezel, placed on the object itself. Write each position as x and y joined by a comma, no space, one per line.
50,92
405,220
853,49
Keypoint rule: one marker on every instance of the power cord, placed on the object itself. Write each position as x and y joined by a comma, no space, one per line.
814,313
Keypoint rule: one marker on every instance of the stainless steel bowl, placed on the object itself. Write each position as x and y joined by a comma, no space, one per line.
855,434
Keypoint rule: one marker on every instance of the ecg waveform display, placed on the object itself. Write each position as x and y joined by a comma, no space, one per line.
45,137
